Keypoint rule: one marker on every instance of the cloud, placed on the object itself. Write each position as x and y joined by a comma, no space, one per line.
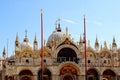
69,21
97,23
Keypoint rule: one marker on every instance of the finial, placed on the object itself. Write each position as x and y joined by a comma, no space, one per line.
88,43
59,20
41,10
66,31
81,40
96,43
114,43
35,39
114,40
26,39
96,40
4,52
44,42
58,28
17,39
25,33
105,45
84,15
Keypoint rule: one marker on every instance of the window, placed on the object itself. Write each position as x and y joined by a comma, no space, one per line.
27,61
88,61
105,61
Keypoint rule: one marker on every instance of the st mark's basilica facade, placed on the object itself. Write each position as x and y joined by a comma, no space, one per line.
64,59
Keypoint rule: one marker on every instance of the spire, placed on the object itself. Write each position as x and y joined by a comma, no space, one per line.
35,40
81,40
114,42
96,43
35,43
114,45
4,52
17,40
26,39
105,44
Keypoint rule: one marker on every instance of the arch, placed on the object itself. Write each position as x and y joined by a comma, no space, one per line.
66,46
9,78
68,77
73,65
27,52
67,54
92,74
46,74
67,41
69,71
109,74
25,75
90,49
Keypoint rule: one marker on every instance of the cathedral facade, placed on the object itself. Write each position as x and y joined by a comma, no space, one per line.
64,59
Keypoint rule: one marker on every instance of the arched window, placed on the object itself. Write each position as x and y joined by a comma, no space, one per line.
67,54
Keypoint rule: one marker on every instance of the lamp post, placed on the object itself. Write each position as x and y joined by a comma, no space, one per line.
85,56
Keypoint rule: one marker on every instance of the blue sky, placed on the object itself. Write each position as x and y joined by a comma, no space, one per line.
16,16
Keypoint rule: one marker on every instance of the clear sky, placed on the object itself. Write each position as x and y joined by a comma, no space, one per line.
16,16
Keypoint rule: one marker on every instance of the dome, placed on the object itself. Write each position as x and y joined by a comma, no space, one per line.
26,45
56,35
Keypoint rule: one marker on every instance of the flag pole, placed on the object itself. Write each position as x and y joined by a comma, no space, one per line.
42,46
85,47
